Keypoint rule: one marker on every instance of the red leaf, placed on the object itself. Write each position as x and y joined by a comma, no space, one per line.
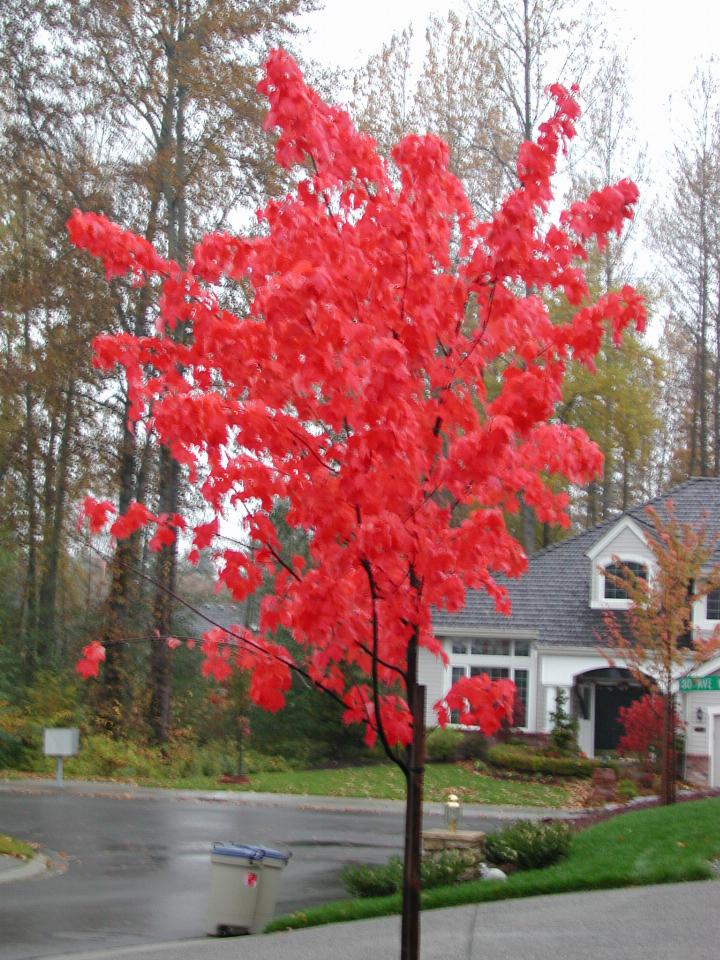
96,512
204,534
136,516
92,656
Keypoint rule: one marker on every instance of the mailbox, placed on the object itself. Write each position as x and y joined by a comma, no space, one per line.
61,742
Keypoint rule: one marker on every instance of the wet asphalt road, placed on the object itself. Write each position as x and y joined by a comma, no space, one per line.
137,870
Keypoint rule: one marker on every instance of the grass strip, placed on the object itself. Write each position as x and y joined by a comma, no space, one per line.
659,845
384,782
378,781
11,847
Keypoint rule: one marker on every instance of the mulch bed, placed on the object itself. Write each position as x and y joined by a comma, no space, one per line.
605,813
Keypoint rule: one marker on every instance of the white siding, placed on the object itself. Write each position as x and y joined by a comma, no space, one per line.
546,695
560,671
627,541
698,737
431,673
536,700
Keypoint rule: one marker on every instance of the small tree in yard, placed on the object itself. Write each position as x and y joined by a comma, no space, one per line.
642,723
563,736
354,389
653,638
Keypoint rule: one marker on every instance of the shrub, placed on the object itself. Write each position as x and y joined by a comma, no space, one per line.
13,754
102,756
526,761
563,736
642,723
13,745
626,790
380,880
361,880
445,869
473,746
529,845
443,746
268,763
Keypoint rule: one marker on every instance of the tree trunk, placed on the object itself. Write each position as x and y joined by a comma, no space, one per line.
527,73
410,929
29,631
113,694
48,588
702,387
625,482
527,518
173,188
166,574
716,391
667,787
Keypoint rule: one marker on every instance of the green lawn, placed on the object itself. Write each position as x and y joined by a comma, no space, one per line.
15,848
660,845
382,781
385,782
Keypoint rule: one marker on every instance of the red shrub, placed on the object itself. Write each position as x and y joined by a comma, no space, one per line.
643,725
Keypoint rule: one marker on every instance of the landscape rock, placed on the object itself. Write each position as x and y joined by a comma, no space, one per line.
491,873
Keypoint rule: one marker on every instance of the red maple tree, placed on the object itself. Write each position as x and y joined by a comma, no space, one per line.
393,382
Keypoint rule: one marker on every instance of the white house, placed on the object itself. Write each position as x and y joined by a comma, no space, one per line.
553,637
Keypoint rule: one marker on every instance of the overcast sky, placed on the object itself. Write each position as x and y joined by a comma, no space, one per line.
665,41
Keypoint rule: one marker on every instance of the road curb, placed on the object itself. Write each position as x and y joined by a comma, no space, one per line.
22,869
362,805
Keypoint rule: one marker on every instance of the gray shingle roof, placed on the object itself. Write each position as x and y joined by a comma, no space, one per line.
553,598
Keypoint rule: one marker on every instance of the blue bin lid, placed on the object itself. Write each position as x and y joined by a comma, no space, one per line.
271,854
245,850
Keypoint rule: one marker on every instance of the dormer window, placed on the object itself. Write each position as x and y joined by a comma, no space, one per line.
613,590
621,549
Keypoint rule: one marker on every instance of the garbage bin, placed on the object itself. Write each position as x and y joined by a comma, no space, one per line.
272,865
236,869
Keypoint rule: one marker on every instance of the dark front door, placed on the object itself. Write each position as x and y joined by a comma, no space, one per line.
608,701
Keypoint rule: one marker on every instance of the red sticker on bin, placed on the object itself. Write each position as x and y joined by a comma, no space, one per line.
251,879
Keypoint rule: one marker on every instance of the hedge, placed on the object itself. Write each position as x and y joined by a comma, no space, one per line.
521,759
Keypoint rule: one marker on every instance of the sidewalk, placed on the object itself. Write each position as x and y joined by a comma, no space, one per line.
661,922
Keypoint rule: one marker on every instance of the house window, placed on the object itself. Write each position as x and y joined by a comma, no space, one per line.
713,605
519,678
457,674
490,648
495,673
613,591
501,659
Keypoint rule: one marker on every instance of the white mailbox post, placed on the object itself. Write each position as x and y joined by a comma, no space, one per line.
61,742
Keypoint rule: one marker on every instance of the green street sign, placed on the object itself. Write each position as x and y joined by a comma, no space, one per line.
699,683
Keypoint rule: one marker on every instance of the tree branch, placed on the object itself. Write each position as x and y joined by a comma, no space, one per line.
375,660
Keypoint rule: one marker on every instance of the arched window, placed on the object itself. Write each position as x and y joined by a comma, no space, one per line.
613,590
